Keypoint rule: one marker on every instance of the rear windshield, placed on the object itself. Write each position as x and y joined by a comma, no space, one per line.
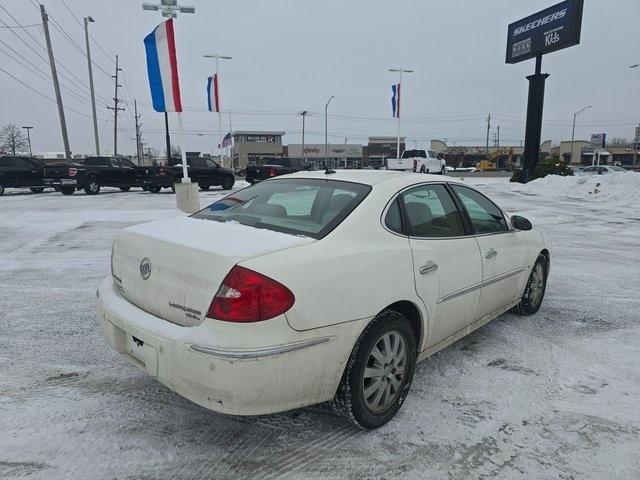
308,207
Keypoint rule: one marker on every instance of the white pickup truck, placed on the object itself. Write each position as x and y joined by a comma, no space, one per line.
422,161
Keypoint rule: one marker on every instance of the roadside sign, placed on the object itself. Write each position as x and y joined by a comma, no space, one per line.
551,29
598,139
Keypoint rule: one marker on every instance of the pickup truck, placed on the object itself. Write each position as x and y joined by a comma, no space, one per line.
203,171
274,167
421,161
94,173
21,172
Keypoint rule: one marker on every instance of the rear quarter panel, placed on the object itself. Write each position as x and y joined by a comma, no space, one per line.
351,274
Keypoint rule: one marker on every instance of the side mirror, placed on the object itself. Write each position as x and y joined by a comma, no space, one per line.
521,223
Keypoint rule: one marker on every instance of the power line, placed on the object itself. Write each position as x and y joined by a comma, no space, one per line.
43,95
24,26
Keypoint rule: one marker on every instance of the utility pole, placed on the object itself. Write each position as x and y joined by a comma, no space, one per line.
488,130
29,139
304,113
116,109
498,138
56,85
87,20
138,139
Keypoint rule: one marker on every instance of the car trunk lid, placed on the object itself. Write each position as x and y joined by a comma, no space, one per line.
173,268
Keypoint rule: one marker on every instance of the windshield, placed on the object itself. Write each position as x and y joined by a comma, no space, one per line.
309,207
618,169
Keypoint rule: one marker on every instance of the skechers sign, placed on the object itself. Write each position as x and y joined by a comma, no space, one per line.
551,29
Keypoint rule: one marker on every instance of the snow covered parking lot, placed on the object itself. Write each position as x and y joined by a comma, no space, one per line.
554,395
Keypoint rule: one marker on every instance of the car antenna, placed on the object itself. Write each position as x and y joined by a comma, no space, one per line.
328,170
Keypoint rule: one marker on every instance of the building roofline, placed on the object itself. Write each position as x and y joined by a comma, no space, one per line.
256,132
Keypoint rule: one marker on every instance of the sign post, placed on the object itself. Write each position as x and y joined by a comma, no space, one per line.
552,29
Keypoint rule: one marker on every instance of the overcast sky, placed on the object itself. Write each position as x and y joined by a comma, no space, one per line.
292,55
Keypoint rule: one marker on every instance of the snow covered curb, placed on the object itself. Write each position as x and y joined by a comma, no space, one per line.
621,188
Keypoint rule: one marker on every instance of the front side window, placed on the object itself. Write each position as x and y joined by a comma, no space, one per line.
485,216
431,212
309,207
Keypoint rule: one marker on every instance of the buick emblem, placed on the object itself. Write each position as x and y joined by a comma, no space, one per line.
145,268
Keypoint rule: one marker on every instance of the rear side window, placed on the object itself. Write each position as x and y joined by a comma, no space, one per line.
431,212
485,216
308,207
393,219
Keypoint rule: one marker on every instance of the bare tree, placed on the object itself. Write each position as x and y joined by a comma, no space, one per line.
176,151
619,141
12,140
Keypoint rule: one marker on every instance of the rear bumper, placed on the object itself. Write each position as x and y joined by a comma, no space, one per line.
249,369
60,182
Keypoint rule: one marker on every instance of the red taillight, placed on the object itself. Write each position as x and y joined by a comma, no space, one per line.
73,172
248,296
415,164
272,172
161,169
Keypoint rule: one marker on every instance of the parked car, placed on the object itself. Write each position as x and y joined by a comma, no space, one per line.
21,172
203,171
274,167
421,161
95,173
317,287
600,170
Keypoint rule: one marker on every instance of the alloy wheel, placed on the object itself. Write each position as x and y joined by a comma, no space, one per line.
385,371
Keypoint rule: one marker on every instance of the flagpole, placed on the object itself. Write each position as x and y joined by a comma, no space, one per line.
398,107
185,173
230,144
398,93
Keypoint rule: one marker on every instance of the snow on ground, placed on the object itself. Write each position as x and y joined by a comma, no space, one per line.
551,396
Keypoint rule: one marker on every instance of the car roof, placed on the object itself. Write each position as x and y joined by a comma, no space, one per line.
371,177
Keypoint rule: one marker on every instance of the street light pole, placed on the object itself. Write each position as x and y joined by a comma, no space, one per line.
88,20
326,134
573,131
304,114
29,139
218,57
400,72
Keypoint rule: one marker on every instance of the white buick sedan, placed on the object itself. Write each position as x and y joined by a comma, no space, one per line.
316,287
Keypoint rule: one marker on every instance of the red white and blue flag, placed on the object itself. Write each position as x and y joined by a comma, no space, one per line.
162,67
395,100
213,95
226,141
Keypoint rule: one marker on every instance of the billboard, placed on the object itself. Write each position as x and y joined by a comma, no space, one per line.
551,29
598,139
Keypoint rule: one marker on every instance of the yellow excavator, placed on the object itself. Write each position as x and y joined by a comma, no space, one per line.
491,162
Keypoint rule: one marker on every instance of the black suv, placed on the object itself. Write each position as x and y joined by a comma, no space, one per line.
21,172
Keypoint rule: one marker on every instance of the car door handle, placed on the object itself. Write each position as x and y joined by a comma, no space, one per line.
428,267
491,253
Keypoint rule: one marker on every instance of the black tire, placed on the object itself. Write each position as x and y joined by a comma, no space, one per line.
443,171
536,286
124,189
227,182
173,188
67,190
422,169
350,401
37,189
1,189
93,186
154,189
204,187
